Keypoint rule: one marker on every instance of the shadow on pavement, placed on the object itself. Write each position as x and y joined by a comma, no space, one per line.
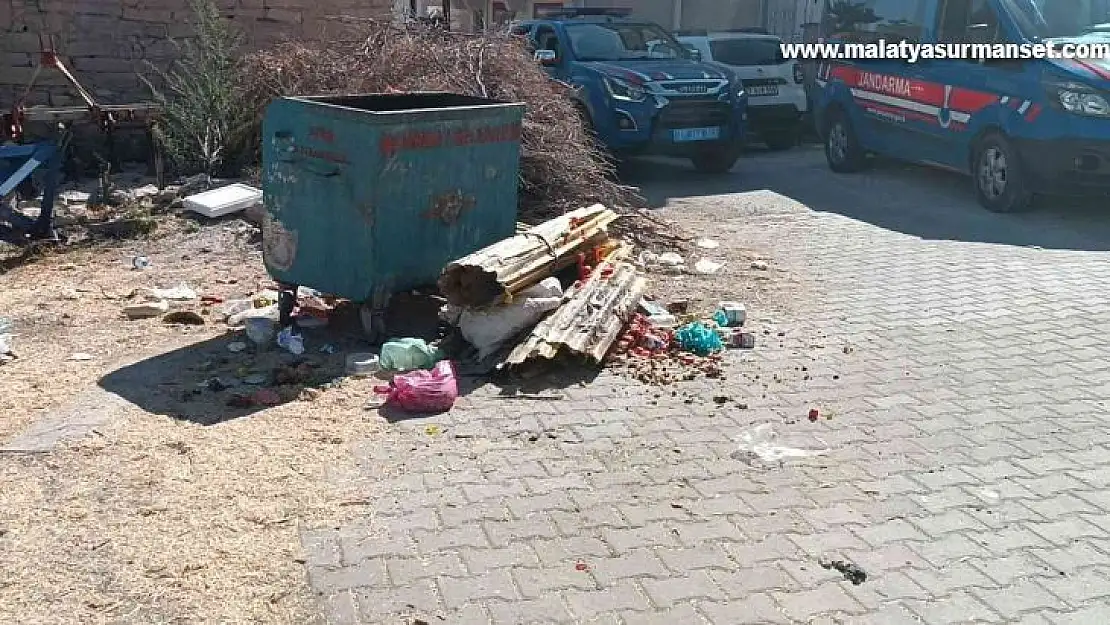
918,201
204,383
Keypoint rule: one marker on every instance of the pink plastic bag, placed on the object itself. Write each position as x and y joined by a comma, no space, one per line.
422,390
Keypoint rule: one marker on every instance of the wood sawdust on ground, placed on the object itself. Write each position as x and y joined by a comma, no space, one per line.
154,519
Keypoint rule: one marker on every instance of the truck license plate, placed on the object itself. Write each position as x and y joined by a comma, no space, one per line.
696,134
763,90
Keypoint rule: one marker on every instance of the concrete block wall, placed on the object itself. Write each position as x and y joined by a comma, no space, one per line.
105,42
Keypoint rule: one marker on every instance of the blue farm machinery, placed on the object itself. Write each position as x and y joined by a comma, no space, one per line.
370,195
30,167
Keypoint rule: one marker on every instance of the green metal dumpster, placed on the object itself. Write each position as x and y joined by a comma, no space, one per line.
369,195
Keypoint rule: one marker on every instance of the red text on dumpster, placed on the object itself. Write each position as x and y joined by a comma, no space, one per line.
391,144
322,134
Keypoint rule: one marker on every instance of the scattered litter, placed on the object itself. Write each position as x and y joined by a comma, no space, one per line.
670,259
240,401
990,494
180,293
735,314
146,310
363,364
290,342
760,265
488,330
707,267
235,307
423,391
236,347
261,330
224,200
184,317
328,348
758,443
73,197
255,379
851,571
813,414
669,262
81,357
216,385
581,566
679,307
140,263
698,339
266,397
408,354
265,299
299,374
657,315
270,312
744,340
707,244
432,430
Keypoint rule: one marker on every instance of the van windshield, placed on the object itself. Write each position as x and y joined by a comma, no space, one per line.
623,41
1062,19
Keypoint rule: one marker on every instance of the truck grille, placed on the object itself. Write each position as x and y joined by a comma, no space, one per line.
694,114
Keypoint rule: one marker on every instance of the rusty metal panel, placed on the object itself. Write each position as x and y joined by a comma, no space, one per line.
373,194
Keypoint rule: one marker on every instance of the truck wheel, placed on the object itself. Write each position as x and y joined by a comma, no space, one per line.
781,140
716,159
842,148
999,182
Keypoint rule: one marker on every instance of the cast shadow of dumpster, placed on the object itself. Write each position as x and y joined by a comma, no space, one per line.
197,383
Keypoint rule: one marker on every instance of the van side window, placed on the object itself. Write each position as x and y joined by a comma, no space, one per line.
967,21
868,21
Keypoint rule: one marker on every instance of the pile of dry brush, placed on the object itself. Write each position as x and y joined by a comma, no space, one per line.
562,167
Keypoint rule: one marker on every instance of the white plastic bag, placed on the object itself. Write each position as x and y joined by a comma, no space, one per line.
488,330
762,444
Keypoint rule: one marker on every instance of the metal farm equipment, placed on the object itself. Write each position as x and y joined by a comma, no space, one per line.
20,159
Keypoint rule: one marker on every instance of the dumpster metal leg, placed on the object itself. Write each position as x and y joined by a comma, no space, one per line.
373,317
287,301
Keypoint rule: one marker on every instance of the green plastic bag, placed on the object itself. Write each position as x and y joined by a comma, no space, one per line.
408,355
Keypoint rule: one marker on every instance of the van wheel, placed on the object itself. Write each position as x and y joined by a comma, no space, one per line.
716,159
999,181
842,148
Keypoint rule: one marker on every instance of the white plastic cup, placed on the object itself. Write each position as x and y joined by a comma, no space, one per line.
362,365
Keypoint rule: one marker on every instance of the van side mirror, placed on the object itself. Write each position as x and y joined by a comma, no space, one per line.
545,57
694,53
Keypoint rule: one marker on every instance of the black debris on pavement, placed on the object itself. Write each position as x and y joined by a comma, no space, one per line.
851,572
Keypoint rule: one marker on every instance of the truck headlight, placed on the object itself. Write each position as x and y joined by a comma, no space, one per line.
1079,99
624,91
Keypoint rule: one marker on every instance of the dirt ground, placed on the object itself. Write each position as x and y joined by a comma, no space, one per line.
179,508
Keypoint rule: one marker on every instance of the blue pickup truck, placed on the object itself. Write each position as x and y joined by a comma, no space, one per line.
642,91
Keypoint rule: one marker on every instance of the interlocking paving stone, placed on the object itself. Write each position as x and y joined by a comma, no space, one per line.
968,475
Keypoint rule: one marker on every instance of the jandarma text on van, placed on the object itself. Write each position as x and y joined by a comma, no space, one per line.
912,52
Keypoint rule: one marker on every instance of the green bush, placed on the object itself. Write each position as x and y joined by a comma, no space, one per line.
204,127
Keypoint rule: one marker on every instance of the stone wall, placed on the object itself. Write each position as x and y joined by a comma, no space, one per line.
105,42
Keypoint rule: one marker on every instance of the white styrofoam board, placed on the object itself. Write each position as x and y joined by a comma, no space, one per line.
224,201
